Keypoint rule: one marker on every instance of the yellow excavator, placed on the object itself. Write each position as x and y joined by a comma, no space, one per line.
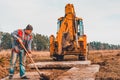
70,38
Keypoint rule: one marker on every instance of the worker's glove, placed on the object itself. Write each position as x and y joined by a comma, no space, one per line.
16,49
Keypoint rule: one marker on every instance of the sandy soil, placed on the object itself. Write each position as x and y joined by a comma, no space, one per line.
109,60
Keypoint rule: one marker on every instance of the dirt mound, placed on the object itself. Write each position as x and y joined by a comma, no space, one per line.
110,65
5,61
4,64
108,60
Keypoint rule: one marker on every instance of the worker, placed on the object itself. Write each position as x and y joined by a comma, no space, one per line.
24,36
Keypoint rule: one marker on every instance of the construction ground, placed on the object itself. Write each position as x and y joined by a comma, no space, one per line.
102,65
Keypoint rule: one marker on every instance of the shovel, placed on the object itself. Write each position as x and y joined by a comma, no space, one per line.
42,76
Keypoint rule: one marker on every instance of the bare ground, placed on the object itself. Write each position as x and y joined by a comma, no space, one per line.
109,60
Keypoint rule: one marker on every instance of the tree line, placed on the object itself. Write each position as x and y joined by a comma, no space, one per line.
102,46
41,42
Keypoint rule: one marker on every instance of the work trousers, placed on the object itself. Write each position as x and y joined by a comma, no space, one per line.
22,59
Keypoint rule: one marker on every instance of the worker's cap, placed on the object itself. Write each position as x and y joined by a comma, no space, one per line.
29,27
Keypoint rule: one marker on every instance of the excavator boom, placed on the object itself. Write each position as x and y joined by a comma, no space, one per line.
70,37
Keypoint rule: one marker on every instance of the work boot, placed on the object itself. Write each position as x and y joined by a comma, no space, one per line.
10,76
25,77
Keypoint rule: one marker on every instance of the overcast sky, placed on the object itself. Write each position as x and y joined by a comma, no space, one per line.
101,17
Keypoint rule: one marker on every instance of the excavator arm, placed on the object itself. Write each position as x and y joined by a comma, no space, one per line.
70,35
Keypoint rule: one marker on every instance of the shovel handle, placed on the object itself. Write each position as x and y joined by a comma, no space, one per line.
30,57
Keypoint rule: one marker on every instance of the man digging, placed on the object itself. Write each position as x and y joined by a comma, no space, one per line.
24,36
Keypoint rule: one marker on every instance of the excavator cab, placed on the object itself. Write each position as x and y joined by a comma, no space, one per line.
70,38
59,23
80,28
